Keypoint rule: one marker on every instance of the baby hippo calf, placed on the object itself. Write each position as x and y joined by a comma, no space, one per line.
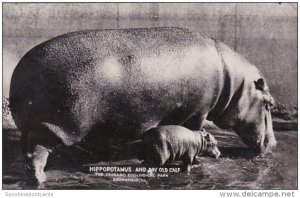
164,144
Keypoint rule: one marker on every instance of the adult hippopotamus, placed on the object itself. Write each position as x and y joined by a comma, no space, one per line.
163,145
116,84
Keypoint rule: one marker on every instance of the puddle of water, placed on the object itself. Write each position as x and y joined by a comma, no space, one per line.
235,169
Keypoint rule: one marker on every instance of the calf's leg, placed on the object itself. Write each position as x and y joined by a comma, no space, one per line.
187,164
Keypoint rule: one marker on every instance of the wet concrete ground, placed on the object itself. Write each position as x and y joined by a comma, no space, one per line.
237,168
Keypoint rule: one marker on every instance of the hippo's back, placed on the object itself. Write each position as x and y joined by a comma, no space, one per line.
82,79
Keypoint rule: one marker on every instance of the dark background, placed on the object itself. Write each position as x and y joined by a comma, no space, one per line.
264,33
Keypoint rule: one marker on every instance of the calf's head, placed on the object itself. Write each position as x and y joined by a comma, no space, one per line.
210,146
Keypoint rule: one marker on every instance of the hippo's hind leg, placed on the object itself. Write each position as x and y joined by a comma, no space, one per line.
36,162
36,146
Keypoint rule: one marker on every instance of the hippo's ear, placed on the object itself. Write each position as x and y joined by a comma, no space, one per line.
260,84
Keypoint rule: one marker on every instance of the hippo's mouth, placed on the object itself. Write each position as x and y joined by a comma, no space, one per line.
249,137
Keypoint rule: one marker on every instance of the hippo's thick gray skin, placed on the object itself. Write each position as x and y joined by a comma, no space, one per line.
163,145
119,83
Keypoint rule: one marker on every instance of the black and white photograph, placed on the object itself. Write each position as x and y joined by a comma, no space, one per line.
149,96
